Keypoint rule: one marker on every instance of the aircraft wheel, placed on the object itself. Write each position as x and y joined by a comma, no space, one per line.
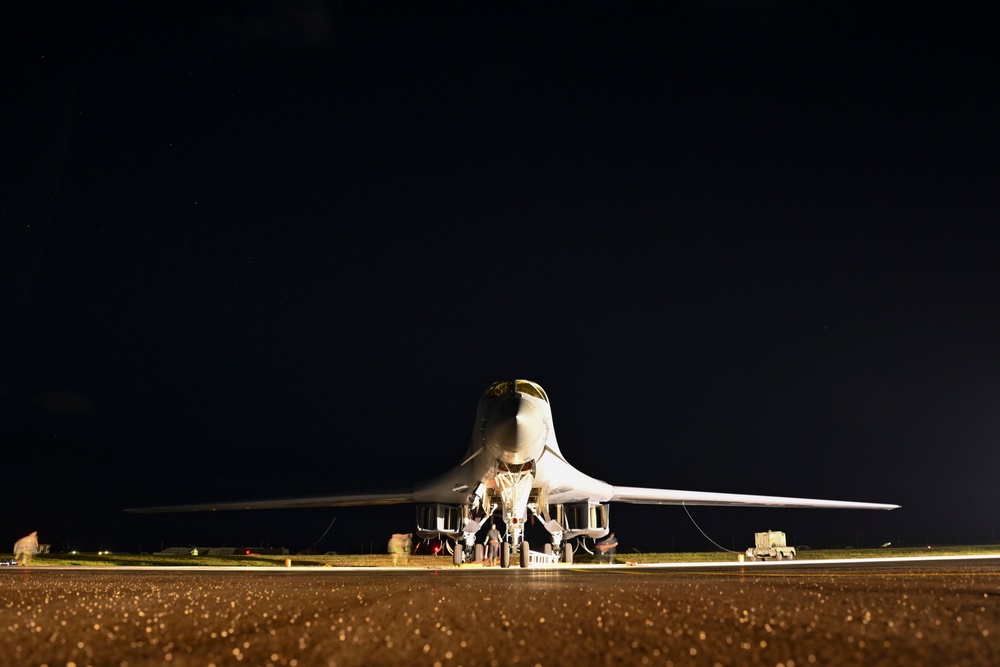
505,555
525,554
479,553
567,553
547,549
457,553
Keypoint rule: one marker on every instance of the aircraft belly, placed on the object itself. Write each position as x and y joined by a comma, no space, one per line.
455,486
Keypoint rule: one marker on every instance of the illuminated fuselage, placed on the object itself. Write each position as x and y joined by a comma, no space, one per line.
515,429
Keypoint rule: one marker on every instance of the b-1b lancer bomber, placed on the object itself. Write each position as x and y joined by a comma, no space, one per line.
514,468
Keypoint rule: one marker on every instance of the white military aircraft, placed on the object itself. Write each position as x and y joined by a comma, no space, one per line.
514,467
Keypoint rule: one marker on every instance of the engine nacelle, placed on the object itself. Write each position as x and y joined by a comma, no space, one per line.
589,519
441,520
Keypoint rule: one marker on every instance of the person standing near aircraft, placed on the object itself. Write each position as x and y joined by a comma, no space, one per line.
493,543
607,548
399,547
25,548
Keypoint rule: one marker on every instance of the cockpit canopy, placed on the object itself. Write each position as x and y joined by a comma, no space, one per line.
507,386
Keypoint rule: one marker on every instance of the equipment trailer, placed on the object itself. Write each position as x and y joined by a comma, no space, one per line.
770,545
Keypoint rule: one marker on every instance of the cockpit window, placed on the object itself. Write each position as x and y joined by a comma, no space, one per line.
531,389
505,387
496,389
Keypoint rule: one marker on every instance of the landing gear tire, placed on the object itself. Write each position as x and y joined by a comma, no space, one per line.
525,554
478,553
547,549
456,554
567,553
505,555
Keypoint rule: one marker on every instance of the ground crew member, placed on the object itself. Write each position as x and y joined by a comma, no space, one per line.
399,547
493,542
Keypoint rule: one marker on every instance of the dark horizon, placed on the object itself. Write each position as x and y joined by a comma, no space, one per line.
261,252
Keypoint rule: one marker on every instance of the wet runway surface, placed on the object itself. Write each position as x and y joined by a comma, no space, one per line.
936,613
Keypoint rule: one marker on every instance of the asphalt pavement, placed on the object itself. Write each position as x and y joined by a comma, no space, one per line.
935,613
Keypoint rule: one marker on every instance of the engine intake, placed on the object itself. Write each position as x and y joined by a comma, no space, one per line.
590,519
440,520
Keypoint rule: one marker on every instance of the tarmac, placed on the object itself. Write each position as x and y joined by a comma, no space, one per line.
941,612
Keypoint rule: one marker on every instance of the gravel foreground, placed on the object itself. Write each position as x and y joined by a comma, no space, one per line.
948,615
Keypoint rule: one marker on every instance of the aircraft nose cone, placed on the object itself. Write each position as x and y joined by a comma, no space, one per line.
515,425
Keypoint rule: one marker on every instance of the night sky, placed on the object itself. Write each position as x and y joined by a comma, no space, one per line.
260,250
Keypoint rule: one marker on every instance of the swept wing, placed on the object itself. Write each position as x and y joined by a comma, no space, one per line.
643,496
384,498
